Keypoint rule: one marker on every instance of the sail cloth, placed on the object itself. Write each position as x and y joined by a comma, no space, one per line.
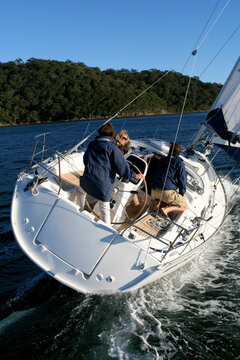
224,116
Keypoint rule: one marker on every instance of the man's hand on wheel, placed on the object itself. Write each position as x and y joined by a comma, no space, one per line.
140,176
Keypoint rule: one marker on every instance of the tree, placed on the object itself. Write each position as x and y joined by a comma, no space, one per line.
48,90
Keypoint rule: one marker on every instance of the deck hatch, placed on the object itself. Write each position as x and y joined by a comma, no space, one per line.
74,237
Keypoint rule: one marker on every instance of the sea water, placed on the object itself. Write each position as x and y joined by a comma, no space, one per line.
193,313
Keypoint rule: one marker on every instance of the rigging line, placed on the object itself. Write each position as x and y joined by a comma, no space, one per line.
178,127
201,34
86,130
220,50
217,18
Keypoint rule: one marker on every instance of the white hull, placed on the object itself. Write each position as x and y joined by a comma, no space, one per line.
83,253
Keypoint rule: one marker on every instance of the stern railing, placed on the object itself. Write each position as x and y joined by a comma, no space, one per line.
183,232
58,157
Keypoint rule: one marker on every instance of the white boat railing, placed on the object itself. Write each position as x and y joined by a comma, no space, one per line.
183,232
41,152
58,156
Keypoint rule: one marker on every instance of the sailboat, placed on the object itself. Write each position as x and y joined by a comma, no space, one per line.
141,245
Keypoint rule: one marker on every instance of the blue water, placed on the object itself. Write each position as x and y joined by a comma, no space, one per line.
193,313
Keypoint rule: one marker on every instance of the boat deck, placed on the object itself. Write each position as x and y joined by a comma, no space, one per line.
150,225
69,180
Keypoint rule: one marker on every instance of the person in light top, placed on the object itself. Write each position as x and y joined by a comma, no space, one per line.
122,141
103,160
170,176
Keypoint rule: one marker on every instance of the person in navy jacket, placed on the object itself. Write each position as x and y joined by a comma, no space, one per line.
170,176
103,160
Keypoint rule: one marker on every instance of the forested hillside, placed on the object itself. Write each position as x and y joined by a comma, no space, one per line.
44,90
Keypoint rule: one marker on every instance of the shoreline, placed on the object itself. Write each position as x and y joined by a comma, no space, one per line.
98,118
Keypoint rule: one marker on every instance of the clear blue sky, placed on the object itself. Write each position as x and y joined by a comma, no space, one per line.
131,34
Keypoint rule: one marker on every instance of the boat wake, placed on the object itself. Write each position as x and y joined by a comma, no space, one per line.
163,318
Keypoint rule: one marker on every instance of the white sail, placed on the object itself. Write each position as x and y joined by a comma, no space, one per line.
224,116
229,99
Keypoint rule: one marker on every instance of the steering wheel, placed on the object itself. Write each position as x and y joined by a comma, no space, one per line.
129,220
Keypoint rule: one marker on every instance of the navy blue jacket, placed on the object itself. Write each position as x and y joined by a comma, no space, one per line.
103,160
176,179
